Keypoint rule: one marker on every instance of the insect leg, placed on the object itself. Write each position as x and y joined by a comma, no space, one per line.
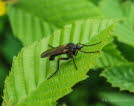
58,66
61,59
76,52
74,64
51,46
90,52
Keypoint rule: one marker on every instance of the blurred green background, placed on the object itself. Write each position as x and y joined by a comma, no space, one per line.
94,91
9,47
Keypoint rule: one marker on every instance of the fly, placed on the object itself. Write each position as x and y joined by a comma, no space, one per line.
70,50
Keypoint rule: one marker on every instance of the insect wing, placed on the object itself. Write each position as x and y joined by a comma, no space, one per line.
54,51
47,53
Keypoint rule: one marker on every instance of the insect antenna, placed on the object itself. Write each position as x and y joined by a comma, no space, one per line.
90,45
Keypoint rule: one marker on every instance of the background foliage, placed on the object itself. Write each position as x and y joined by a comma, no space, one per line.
25,32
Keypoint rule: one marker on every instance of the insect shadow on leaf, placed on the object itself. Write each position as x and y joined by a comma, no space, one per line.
69,49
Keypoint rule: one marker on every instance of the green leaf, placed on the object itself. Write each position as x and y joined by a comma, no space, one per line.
121,76
111,8
124,31
28,82
127,51
111,56
32,20
124,34
117,98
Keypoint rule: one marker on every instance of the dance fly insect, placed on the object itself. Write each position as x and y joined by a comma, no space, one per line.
70,50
